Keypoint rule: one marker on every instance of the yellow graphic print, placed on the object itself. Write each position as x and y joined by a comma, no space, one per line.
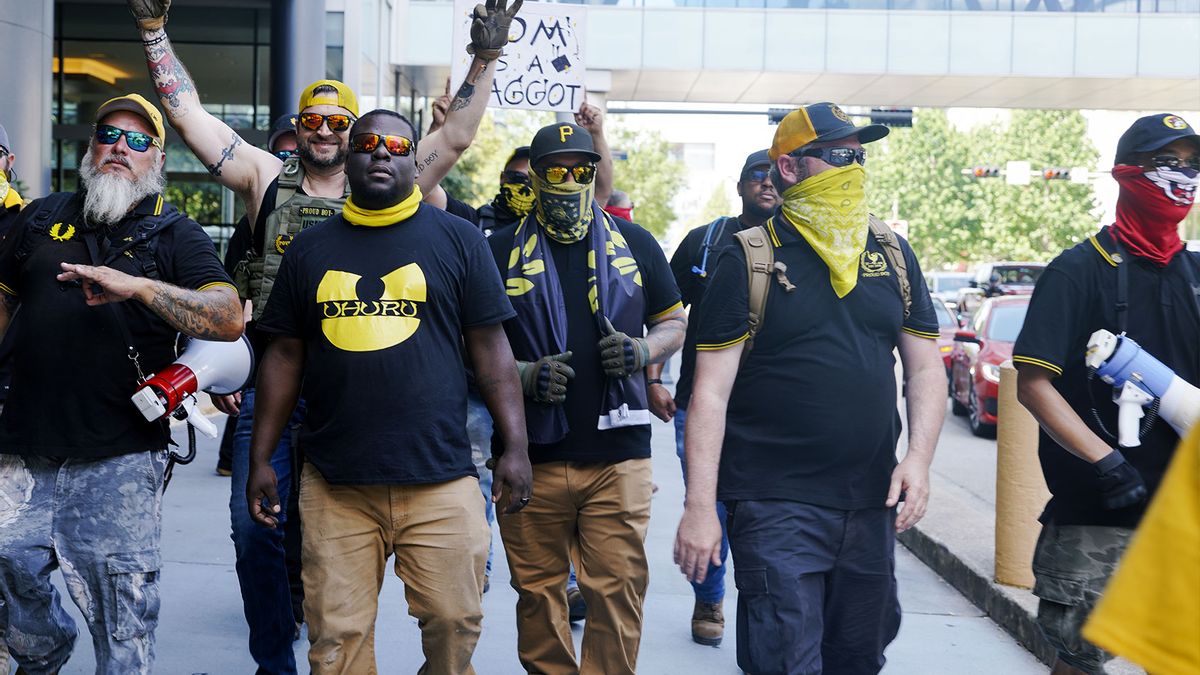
281,243
522,284
873,264
1174,122
356,325
58,234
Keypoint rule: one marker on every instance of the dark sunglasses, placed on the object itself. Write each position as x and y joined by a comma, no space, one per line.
336,122
106,134
756,176
1173,162
396,145
284,154
837,156
556,175
514,177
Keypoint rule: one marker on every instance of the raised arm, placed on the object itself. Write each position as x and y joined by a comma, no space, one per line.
237,165
591,118
440,150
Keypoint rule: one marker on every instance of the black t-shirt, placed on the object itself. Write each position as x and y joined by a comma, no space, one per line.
462,209
72,381
484,217
381,311
239,244
688,258
812,416
1076,296
584,442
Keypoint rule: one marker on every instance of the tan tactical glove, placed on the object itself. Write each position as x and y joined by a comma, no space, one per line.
621,355
545,380
489,29
150,14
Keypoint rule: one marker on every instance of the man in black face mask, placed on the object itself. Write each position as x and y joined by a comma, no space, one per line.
370,312
693,262
585,287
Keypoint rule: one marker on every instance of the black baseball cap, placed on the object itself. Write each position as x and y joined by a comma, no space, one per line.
520,153
4,138
283,124
1153,132
819,122
756,159
557,139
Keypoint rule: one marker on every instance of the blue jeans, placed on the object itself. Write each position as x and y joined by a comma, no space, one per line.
100,521
261,562
479,430
713,588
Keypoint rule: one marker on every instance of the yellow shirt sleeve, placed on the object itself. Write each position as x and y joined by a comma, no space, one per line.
1150,612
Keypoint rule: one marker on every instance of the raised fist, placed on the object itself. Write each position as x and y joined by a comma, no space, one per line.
150,14
489,29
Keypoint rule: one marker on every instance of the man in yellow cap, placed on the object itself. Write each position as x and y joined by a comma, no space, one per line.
812,494
281,199
83,470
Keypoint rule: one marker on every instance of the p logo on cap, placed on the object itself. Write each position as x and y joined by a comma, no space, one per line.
1175,122
563,132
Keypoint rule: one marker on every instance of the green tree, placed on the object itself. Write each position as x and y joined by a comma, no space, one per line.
476,177
717,205
650,175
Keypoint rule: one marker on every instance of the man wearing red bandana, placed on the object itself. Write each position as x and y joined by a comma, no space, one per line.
1133,276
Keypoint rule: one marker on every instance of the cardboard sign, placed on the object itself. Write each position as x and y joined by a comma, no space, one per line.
542,67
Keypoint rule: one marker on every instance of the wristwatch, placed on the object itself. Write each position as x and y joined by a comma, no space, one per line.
653,381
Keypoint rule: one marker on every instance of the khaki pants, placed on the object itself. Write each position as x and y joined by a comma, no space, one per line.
440,539
595,515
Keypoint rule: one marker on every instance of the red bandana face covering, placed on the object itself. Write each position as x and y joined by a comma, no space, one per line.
619,212
1147,218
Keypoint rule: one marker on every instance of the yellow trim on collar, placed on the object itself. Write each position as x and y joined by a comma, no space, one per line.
1104,254
920,333
1038,362
672,308
214,284
7,291
723,345
771,231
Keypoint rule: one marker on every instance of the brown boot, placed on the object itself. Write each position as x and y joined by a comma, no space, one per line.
708,623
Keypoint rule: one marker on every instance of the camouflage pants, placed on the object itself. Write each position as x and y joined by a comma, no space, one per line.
100,521
1072,564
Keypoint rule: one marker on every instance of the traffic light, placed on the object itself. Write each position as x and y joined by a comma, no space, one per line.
776,115
1056,173
984,172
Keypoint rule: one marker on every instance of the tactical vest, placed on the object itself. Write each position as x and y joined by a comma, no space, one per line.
294,211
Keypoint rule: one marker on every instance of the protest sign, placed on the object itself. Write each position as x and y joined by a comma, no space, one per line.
542,67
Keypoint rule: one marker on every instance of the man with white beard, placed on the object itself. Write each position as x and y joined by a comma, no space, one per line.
81,472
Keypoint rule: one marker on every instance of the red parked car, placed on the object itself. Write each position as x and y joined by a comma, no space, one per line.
947,327
975,360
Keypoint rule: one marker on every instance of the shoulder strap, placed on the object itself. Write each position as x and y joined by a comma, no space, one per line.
1122,304
290,178
891,248
760,259
713,233
49,210
146,238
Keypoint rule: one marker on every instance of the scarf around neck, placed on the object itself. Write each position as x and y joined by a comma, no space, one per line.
399,212
614,291
830,211
1148,215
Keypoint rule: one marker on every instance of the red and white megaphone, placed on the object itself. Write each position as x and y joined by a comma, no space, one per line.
219,368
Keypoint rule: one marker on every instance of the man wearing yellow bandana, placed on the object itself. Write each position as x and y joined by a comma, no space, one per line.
585,287
370,315
812,493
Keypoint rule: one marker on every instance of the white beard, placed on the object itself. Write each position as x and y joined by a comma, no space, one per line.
110,197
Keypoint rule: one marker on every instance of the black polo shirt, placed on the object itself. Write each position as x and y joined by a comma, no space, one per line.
692,270
71,379
812,415
1076,296
584,442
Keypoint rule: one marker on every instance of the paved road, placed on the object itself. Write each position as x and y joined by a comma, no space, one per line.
202,629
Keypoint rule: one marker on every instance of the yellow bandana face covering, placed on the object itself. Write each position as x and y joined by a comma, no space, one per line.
830,212
383,217
564,211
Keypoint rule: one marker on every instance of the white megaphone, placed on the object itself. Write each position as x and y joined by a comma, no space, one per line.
219,368
1138,380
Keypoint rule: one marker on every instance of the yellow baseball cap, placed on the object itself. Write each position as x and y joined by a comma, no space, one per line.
819,122
137,105
344,98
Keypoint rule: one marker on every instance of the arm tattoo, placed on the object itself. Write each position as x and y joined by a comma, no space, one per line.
226,153
666,336
462,99
171,79
201,314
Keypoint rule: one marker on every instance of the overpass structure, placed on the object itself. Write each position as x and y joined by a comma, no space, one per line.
1119,55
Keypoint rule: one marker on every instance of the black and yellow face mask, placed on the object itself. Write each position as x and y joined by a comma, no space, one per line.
564,210
515,198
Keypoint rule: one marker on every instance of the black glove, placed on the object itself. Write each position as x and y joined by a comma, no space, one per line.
545,380
621,355
150,14
489,28
1120,484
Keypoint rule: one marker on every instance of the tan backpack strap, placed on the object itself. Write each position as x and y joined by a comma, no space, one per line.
760,265
891,248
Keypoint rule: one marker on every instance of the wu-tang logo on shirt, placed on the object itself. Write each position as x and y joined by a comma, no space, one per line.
357,325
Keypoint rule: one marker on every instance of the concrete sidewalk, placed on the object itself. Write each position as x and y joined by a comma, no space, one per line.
957,537
202,629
